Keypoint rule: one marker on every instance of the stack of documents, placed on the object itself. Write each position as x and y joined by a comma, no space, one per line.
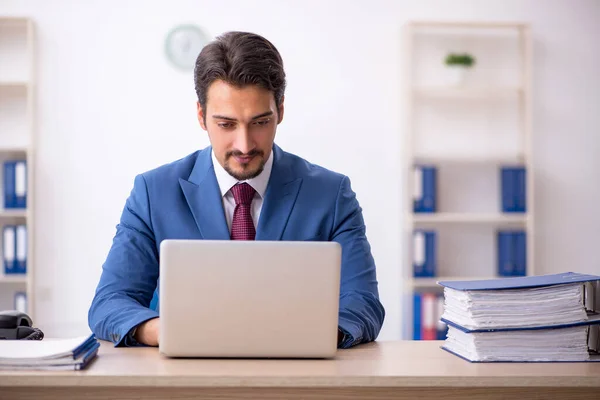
524,319
48,354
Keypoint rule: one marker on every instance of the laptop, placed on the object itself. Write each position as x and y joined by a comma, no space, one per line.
249,299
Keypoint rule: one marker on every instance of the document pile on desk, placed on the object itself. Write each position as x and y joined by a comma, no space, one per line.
524,319
48,354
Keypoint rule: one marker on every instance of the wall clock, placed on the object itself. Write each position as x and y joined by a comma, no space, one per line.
183,44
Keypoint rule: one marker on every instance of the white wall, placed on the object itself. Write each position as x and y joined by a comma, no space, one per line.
110,106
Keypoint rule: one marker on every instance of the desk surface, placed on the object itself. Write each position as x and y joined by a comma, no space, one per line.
381,364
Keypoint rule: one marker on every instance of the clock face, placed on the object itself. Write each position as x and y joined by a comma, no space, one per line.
183,44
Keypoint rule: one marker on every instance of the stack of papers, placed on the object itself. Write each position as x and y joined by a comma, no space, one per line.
525,319
48,354
513,308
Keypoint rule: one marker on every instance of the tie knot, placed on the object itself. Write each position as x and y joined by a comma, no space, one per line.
243,194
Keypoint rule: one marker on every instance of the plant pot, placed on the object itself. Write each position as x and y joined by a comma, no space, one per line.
458,74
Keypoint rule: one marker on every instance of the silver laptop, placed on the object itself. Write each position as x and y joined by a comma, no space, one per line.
249,299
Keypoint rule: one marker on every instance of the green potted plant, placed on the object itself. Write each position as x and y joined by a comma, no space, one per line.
459,64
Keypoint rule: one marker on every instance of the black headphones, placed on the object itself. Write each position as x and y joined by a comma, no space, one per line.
18,325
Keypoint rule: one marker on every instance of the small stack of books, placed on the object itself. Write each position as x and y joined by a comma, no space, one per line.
524,319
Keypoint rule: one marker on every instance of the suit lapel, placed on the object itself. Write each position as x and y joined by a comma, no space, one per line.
203,196
280,197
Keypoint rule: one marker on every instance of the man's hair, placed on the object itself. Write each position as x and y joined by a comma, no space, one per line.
239,59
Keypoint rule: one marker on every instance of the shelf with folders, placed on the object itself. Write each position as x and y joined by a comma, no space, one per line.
468,166
16,160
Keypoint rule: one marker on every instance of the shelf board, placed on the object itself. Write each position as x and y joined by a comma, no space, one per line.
432,282
469,160
14,149
468,24
17,278
16,213
17,83
469,218
458,92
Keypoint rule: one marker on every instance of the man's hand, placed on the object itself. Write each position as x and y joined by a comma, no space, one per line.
147,332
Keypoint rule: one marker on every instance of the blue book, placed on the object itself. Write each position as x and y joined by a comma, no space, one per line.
513,189
417,316
521,282
507,189
15,184
520,251
9,249
424,257
506,254
521,193
21,249
10,200
425,190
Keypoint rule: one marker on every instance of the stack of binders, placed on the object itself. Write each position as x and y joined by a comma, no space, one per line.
48,354
548,318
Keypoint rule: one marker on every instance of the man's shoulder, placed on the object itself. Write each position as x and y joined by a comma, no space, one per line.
311,171
174,170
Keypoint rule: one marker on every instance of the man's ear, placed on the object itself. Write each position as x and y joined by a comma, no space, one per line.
201,116
280,111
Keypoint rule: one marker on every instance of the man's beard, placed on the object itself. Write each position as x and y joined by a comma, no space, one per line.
248,174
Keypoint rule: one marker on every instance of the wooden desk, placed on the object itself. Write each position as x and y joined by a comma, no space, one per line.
384,370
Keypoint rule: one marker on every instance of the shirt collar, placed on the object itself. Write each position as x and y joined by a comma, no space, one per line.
258,183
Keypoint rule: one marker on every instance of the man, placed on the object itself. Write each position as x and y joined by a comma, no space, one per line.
242,187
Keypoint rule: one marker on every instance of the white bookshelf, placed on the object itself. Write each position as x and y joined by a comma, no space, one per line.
17,87
467,131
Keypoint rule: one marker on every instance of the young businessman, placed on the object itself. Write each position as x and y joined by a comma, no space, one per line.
242,187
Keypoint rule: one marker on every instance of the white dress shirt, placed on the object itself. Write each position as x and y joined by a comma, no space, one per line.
226,182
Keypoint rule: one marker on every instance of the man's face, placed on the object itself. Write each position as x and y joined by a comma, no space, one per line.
241,126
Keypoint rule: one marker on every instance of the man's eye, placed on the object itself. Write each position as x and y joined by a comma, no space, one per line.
225,125
263,122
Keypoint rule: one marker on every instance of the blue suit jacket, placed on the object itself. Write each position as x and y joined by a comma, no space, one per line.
182,200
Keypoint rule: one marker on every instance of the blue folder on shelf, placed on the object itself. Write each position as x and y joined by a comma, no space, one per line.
417,316
15,184
424,249
511,253
513,189
14,249
425,188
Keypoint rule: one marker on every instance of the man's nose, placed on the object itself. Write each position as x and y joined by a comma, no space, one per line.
243,141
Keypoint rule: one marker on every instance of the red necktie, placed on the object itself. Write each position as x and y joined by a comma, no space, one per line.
242,227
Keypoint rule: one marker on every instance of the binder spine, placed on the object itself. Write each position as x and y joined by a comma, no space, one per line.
424,254
520,245
429,311
9,185
506,256
20,184
21,249
9,249
425,190
417,316
21,302
521,190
